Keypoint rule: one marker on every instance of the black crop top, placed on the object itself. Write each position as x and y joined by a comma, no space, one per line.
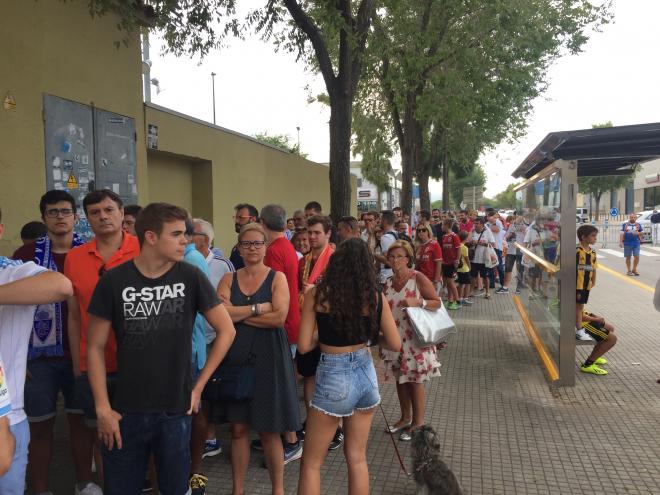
328,336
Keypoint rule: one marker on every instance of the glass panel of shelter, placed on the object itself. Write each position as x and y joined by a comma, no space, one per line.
538,269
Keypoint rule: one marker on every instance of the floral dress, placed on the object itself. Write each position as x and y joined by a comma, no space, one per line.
412,363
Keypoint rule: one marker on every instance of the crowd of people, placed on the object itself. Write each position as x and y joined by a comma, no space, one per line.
142,328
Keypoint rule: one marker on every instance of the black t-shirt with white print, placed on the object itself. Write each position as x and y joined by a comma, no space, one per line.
153,321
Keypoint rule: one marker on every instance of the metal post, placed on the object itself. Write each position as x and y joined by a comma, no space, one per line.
474,198
213,84
298,129
146,67
567,272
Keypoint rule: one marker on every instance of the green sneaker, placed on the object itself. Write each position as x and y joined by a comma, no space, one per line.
601,361
453,305
593,369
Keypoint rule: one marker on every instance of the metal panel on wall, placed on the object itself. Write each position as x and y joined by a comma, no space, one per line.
69,145
114,136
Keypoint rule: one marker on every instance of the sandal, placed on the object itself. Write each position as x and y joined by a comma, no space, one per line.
406,435
630,274
393,429
636,274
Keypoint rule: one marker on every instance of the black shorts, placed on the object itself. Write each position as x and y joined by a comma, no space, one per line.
582,296
596,330
511,260
448,271
479,269
464,278
85,397
307,363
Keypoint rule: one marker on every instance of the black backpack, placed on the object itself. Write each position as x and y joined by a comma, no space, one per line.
655,218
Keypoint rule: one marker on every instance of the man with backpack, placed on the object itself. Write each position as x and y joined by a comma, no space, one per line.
655,225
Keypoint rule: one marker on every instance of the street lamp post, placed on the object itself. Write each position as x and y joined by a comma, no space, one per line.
213,85
298,129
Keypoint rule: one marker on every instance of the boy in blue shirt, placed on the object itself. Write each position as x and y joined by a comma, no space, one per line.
630,241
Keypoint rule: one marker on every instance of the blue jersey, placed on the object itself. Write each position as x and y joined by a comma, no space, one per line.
629,231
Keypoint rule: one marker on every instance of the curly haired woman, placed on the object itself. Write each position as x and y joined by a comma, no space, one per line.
349,311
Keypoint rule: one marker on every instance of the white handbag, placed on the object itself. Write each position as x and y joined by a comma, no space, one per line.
430,327
491,257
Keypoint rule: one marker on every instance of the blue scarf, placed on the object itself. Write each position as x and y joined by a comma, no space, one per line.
47,330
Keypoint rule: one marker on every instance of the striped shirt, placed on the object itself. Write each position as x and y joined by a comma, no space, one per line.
586,267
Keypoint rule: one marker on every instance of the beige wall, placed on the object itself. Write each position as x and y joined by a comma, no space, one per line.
242,171
55,47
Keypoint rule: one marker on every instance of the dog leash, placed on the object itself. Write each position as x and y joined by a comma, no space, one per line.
398,454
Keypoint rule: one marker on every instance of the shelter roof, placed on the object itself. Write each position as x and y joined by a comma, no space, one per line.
600,151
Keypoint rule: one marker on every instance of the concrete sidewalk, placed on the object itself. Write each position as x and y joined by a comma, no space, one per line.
504,431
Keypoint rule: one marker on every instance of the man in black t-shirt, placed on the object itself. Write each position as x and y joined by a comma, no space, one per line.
151,303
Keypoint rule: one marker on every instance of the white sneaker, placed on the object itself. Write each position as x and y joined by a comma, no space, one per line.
582,335
90,489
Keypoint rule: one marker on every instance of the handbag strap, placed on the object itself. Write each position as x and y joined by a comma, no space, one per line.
398,454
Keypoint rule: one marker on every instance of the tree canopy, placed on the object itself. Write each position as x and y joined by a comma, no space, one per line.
282,141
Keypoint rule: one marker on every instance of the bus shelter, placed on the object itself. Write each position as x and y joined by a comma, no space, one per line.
547,200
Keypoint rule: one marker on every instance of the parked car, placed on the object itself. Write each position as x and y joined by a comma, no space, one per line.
644,218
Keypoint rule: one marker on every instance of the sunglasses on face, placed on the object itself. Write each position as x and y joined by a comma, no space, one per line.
422,230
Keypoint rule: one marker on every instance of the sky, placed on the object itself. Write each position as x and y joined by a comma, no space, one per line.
258,90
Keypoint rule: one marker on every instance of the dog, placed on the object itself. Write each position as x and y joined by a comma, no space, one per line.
432,475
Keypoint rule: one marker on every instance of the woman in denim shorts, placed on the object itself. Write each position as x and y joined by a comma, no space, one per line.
344,313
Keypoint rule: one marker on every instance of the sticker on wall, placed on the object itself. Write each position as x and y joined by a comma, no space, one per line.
76,158
72,182
134,188
67,165
116,120
105,162
115,188
9,102
56,162
152,137
59,186
84,159
130,179
57,174
66,147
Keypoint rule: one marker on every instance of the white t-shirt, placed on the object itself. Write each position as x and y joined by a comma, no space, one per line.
515,234
218,267
15,329
481,250
386,240
498,236
5,398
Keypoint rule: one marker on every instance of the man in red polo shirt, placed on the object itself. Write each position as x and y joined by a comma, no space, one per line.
281,256
84,266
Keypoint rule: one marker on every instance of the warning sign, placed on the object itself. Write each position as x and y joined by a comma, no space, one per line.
72,182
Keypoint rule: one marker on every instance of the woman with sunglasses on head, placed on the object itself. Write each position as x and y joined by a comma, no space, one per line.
344,313
257,299
412,365
428,255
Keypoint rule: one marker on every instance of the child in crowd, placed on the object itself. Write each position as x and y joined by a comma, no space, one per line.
463,270
586,274
603,333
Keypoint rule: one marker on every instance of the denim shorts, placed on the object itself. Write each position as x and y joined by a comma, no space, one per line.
167,437
13,481
47,378
85,397
346,382
630,250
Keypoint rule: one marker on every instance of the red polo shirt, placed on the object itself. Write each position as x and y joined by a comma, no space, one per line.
82,267
281,257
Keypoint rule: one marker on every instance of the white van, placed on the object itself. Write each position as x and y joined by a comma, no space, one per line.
582,215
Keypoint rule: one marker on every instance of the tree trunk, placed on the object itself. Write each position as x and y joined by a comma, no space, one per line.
341,109
597,207
445,186
406,179
424,196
